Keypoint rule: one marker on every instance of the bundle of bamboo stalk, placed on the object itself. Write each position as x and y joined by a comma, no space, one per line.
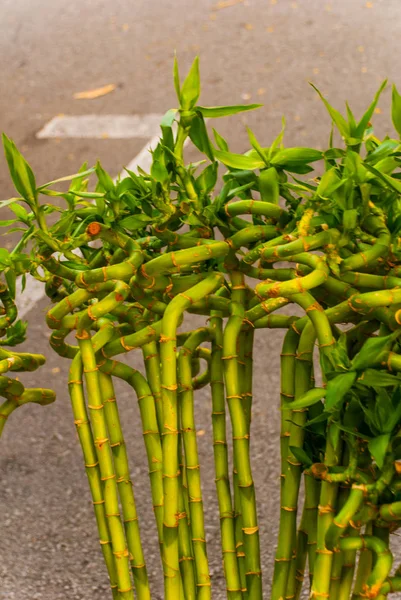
155,248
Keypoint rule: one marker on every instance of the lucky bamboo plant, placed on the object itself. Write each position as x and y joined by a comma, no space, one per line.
124,265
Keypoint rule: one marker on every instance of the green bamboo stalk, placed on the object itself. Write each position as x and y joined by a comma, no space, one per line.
125,488
327,507
170,323
222,478
86,440
287,394
150,432
303,372
40,396
253,207
108,475
185,547
240,431
306,539
192,467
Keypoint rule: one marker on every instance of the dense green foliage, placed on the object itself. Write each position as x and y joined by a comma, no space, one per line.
125,263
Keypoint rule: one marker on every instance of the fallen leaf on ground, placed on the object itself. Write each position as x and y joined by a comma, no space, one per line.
96,93
200,432
56,370
226,4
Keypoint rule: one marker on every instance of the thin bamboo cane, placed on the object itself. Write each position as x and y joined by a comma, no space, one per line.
192,466
125,488
170,323
241,438
222,479
107,471
85,436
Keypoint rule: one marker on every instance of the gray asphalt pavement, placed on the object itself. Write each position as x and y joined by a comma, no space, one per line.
254,51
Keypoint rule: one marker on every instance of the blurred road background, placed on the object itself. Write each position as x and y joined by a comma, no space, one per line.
251,51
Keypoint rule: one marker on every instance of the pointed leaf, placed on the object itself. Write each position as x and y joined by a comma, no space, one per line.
378,448
190,90
292,157
199,136
375,378
363,123
396,109
310,398
301,456
159,172
212,112
371,350
104,178
20,171
269,185
279,139
220,141
337,117
351,120
394,417
238,161
176,76
337,388
78,175
256,146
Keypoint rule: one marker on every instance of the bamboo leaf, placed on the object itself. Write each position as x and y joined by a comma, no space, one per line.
301,456
293,157
396,109
337,117
104,178
269,185
308,399
337,389
78,175
190,90
363,123
374,378
238,161
20,171
212,112
199,136
256,146
220,141
370,350
176,77
378,448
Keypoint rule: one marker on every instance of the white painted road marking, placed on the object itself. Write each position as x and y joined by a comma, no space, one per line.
101,126
35,290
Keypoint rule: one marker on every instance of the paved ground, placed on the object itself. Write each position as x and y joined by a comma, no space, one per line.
257,51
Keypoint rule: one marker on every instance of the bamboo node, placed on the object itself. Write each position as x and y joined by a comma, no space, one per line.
325,509
250,530
242,437
95,406
95,502
170,388
108,477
